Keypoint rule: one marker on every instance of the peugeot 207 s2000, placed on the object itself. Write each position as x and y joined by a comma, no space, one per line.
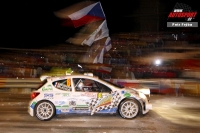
85,93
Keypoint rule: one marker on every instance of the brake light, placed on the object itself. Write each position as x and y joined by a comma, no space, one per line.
34,95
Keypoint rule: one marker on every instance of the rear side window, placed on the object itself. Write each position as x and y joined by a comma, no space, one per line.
64,84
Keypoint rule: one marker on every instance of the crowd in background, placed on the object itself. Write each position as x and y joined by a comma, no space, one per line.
33,63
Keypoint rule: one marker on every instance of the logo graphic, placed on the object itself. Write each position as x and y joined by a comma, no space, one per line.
72,103
182,12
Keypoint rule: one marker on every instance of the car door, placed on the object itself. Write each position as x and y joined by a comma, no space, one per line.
94,95
62,95
82,95
106,101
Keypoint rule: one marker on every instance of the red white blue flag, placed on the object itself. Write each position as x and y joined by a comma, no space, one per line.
82,15
94,33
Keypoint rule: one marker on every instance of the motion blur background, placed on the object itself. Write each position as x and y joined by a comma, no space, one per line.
33,43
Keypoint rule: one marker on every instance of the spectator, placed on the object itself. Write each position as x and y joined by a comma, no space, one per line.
22,71
39,71
33,73
138,51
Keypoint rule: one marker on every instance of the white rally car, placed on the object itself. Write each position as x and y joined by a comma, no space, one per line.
85,93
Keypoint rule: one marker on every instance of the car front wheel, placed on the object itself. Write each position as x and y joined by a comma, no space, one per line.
129,109
44,110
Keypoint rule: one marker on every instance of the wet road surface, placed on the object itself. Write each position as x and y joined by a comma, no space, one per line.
170,114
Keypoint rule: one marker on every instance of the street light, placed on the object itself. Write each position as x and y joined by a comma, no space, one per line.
157,62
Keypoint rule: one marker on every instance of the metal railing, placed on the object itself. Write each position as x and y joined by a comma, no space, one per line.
19,82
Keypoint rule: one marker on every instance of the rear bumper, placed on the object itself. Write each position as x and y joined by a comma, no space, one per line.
30,109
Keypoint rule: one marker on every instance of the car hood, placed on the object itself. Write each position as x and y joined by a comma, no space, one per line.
145,91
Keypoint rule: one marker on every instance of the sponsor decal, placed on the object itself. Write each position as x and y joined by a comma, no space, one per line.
62,106
60,102
72,103
33,104
100,95
47,88
80,108
64,110
48,96
62,86
105,101
127,95
65,94
122,92
89,94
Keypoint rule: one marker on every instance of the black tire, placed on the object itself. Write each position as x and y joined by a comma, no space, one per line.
44,110
129,109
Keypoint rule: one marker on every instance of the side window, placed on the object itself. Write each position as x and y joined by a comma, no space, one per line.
103,88
63,84
78,84
83,85
88,85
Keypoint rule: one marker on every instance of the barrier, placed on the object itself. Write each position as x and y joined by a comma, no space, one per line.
19,85
19,82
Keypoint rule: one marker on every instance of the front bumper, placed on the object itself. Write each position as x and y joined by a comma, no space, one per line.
149,106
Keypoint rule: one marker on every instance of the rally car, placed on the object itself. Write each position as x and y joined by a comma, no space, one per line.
85,93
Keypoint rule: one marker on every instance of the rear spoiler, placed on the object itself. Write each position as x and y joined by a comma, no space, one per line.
42,78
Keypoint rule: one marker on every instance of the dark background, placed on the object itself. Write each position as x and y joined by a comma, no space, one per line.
32,24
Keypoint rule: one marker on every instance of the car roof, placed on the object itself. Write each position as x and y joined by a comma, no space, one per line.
54,78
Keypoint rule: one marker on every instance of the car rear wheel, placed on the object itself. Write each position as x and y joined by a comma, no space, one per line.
129,109
45,110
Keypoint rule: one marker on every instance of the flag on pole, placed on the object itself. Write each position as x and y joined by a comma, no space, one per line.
97,51
94,33
90,33
107,46
101,32
82,15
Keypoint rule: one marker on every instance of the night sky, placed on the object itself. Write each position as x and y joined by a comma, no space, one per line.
32,23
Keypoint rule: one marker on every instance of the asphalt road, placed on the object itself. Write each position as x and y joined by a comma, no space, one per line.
170,114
